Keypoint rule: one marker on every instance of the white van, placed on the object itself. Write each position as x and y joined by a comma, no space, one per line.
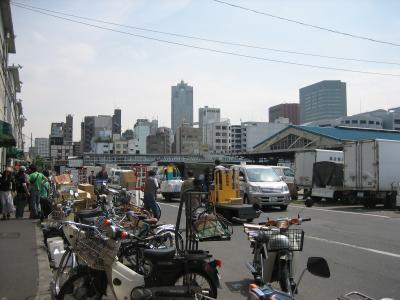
261,185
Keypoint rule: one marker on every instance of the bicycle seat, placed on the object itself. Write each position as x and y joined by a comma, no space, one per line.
159,254
90,213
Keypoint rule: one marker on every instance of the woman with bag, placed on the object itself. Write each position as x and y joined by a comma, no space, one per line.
7,186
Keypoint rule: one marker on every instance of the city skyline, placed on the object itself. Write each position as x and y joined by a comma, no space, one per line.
140,72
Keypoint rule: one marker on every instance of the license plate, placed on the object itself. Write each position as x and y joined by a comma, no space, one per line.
273,199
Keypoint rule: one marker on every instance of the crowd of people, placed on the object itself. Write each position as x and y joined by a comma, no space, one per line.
23,186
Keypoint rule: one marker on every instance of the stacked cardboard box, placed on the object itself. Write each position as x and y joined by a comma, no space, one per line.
128,180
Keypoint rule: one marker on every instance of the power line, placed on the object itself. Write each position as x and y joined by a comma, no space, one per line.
209,49
307,24
210,40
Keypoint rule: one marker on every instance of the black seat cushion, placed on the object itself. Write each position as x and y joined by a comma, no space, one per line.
159,254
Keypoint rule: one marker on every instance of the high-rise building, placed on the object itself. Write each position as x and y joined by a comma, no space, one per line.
153,127
116,122
68,131
42,147
88,133
323,100
77,150
181,105
57,130
285,110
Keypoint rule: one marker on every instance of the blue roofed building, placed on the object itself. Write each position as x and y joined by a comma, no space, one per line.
296,138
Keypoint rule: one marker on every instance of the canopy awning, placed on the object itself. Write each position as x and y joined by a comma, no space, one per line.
6,135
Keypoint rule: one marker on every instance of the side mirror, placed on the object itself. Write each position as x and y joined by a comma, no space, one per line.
241,178
309,202
318,266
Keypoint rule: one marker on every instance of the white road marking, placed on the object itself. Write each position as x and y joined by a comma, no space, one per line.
172,205
354,246
344,212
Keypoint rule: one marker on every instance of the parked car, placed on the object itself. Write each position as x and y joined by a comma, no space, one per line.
261,185
287,174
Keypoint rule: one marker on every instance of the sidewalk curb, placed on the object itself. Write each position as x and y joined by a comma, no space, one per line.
45,275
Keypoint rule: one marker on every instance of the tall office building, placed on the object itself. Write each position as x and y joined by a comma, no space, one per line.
285,110
68,132
88,133
42,147
116,122
181,105
208,115
57,130
323,100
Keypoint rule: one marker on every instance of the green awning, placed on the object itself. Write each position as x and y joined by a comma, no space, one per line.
6,135
13,152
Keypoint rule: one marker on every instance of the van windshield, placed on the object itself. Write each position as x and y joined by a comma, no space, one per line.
262,175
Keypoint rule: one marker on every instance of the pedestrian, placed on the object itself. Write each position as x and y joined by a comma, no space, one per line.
188,184
7,186
150,194
45,203
21,186
102,175
35,180
92,178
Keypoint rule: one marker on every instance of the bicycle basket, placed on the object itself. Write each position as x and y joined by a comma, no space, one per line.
212,227
289,239
95,250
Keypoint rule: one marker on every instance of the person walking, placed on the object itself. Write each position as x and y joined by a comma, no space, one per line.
92,178
150,194
44,196
7,186
35,180
21,187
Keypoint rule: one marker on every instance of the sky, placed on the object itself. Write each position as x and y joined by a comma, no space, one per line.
71,68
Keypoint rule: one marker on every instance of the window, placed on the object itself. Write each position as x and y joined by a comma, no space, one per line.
223,141
218,127
347,122
217,134
396,121
363,122
354,121
224,134
223,127
377,123
218,141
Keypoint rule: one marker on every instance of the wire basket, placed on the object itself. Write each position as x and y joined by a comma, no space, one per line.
57,215
288,239
95,250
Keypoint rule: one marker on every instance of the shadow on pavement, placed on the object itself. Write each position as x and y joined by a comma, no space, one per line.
239,287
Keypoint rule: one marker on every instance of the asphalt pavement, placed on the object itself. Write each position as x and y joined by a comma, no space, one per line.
361,246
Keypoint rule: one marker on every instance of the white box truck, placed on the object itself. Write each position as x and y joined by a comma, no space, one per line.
372,171
304,164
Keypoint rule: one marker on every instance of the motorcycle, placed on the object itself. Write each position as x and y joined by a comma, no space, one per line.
169,276
315,265
274,244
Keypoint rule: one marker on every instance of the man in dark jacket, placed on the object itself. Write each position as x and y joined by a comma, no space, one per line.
21,185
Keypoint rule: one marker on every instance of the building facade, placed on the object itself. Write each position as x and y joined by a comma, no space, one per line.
285,110
208,115
88,133
236,139
11,113
121,147
68,130
188,140
42,147
141,131
159,143
181,105
323,100
116,122
255,132
218,137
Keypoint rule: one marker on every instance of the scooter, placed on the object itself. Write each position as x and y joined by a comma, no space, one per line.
274,246
315,265
99,252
